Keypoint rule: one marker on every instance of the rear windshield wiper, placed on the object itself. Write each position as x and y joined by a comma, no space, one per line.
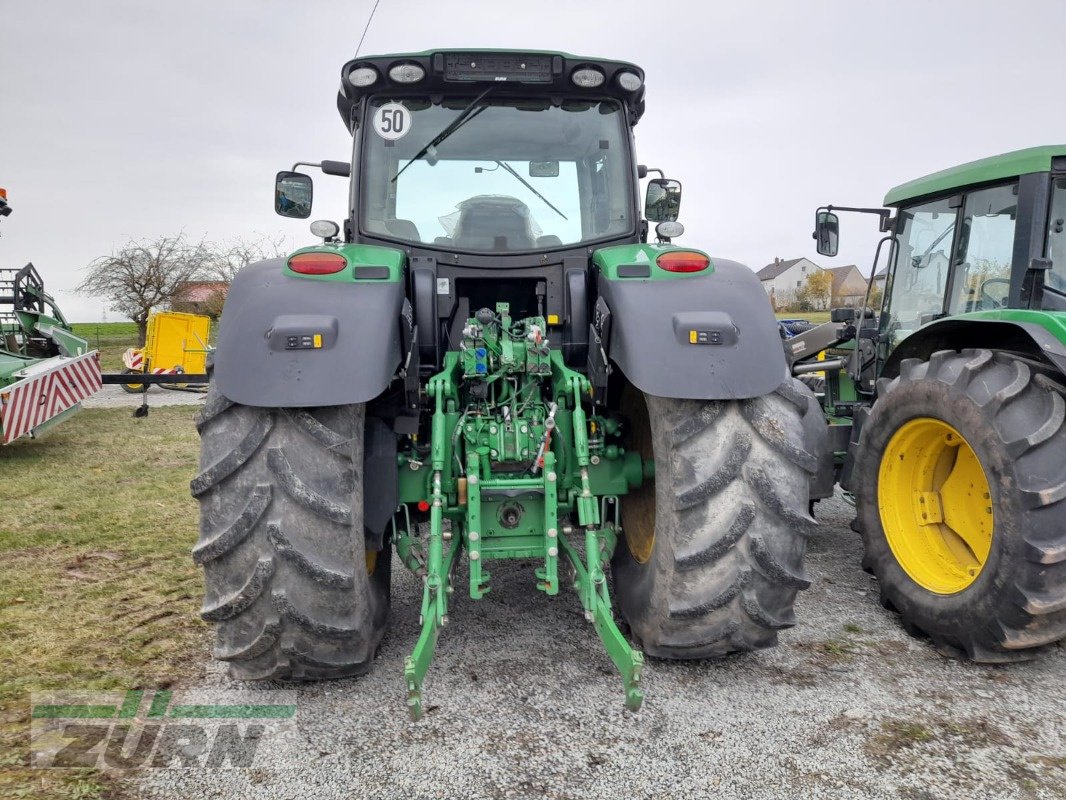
529,186
465,116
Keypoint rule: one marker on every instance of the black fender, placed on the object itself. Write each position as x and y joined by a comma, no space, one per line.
359,325
958,333
738,353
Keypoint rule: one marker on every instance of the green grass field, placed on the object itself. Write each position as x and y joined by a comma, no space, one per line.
97,587
110,338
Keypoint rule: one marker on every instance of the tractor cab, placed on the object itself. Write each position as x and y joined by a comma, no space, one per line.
473,162
983,241
498,154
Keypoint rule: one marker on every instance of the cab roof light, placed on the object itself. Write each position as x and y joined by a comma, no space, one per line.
683,261
361,77
406,73
587,77
317,263
629,81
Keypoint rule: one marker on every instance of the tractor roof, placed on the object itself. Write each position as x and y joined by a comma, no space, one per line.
1007,165
470,71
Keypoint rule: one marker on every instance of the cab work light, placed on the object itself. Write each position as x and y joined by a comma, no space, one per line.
362,76
630,81
587,77
683,261
317,263
407,73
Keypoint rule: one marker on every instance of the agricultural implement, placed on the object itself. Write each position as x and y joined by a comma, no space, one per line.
45,370
947,406
175,344
488,360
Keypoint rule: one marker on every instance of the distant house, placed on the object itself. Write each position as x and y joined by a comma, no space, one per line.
200,297
782,278
849,286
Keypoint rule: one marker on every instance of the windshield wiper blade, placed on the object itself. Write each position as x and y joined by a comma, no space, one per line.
465,116
529,186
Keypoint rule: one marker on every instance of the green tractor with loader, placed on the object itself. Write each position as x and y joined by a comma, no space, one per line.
947,406
488,360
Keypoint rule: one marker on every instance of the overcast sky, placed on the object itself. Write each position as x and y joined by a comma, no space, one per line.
145,117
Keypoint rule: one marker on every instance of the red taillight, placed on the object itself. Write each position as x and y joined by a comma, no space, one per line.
423,505
317,263
683,261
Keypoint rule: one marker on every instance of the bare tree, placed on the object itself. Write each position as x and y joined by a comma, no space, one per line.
229,259
145,274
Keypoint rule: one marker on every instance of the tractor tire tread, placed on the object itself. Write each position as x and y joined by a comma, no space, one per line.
732,511
282,543
1022,406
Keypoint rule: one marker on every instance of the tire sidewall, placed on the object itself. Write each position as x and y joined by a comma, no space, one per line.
978,603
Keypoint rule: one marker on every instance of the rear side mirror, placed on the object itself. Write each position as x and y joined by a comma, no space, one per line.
293,192
662,203
544,169
827,232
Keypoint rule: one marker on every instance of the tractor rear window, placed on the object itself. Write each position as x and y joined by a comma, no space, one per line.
496,176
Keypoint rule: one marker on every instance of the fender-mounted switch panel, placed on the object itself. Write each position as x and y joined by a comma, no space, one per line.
303,332
705,327
705,337
314,341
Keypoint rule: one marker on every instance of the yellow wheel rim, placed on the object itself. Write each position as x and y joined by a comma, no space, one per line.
935,505
371,561
638,508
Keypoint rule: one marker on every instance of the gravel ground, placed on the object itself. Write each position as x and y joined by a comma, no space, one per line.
115,397
524,703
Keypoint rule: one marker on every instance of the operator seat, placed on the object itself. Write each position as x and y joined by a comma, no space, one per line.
403,229
493,222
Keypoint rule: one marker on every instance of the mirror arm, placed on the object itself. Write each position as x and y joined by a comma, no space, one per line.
653,169
884,213
341,168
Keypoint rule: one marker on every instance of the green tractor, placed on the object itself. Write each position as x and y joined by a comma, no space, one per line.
947,408
487,360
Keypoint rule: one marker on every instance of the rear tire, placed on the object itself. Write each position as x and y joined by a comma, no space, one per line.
1011,412
729,511
282,542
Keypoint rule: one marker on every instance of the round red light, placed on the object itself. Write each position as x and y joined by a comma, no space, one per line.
317,263
683,261
423,505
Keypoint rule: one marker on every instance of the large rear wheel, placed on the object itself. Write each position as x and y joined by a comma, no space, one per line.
712,556
960,488
290,586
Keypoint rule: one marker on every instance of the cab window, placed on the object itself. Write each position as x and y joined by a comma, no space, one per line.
917,286
1056,238
985,249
